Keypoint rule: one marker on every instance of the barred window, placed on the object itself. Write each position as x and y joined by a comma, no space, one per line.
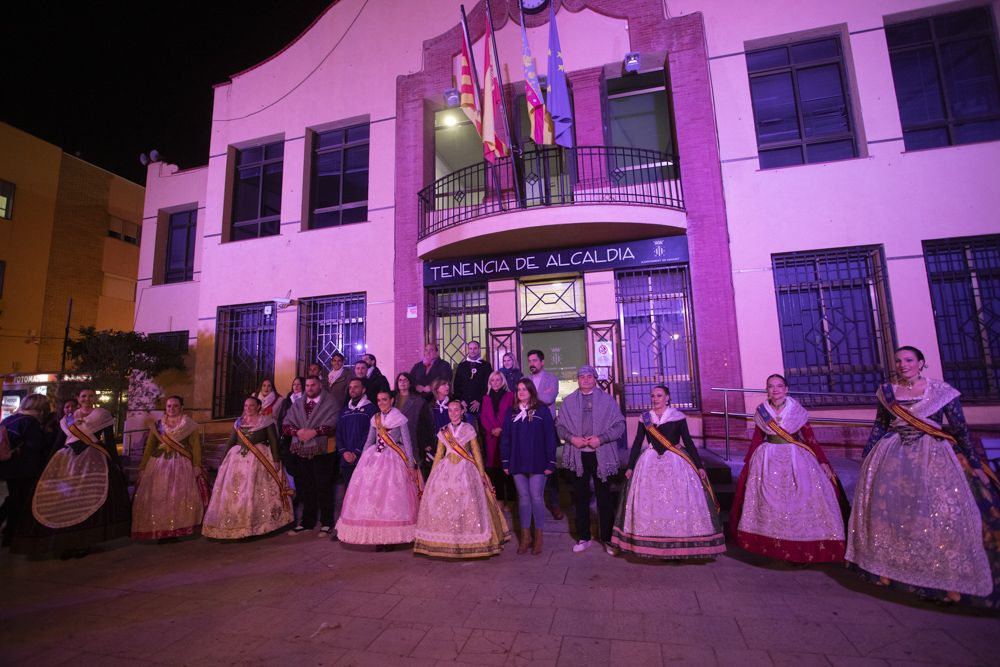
329,324
801,106
658,332
455,316
964,277
257,191
836,322
244,354
945,73
340,177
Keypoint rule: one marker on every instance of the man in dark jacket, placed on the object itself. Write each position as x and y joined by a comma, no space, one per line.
428,369
471,379
352,427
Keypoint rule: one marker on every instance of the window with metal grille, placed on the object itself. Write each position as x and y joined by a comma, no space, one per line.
329,324
801,105
340,177
658,336
179,264
7,200
257,191
244,354
945,73
964,277
178,340
455,316
558,299
835,321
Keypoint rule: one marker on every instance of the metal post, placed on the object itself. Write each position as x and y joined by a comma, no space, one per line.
725,408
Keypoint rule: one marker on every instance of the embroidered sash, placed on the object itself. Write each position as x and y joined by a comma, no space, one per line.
82,436
174,446
457,447
887,397
278,478
669,446
765,416
383,435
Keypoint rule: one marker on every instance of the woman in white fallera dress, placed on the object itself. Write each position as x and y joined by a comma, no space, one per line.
380,506
789,504
251,494
459,516
667,509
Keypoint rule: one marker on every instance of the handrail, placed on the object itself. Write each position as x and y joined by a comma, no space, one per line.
551,176
726,414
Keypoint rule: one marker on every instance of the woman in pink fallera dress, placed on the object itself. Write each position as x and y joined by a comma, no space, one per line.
380,506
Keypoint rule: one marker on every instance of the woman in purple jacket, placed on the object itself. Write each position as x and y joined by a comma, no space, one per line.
528,453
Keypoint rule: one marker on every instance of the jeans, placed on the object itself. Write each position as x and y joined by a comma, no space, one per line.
530,500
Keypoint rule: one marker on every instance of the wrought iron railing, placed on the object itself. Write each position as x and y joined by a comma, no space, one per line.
551,176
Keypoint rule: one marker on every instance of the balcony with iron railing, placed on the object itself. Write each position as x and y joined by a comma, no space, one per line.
463,206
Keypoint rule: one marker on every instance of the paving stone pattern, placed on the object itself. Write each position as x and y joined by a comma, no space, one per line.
300,600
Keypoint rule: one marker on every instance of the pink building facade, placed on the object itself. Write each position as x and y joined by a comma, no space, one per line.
345,205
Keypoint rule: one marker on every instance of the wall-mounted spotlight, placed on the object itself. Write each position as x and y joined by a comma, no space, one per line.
452,98
631,64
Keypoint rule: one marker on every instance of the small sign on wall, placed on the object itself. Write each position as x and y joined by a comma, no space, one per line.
602,353
411,312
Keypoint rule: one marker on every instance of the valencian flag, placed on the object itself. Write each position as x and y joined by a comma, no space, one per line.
541,121
493,144
468,87
558,102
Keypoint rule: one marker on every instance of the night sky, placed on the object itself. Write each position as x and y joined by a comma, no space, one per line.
109,80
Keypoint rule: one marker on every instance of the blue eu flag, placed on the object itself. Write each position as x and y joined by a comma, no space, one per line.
557,101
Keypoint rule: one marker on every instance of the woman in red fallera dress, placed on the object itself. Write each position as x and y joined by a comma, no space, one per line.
789,504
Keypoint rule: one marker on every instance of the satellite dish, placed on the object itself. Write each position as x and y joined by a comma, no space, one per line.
154,155
143,160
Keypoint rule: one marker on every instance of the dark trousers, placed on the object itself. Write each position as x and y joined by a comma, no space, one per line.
315,481
346,471
581,498
18,496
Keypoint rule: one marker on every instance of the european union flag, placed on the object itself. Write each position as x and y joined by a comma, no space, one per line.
558,102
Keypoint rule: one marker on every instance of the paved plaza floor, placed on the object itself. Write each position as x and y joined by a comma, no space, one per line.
301,600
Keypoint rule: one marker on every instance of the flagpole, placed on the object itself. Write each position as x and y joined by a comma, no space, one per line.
514,152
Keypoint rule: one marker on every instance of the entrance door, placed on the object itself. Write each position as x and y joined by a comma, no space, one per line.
565,352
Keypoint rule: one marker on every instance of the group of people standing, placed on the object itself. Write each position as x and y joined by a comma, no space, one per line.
423,465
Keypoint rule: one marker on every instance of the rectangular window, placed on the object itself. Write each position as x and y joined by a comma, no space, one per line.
7,200
945,72
836,322
329,324
179,265
257,191
801,107
123,230
177,340
340,177
640,120
964,277
244,354
457,315
658,333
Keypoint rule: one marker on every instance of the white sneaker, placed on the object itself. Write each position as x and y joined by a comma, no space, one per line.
581,546
298,530
611,551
